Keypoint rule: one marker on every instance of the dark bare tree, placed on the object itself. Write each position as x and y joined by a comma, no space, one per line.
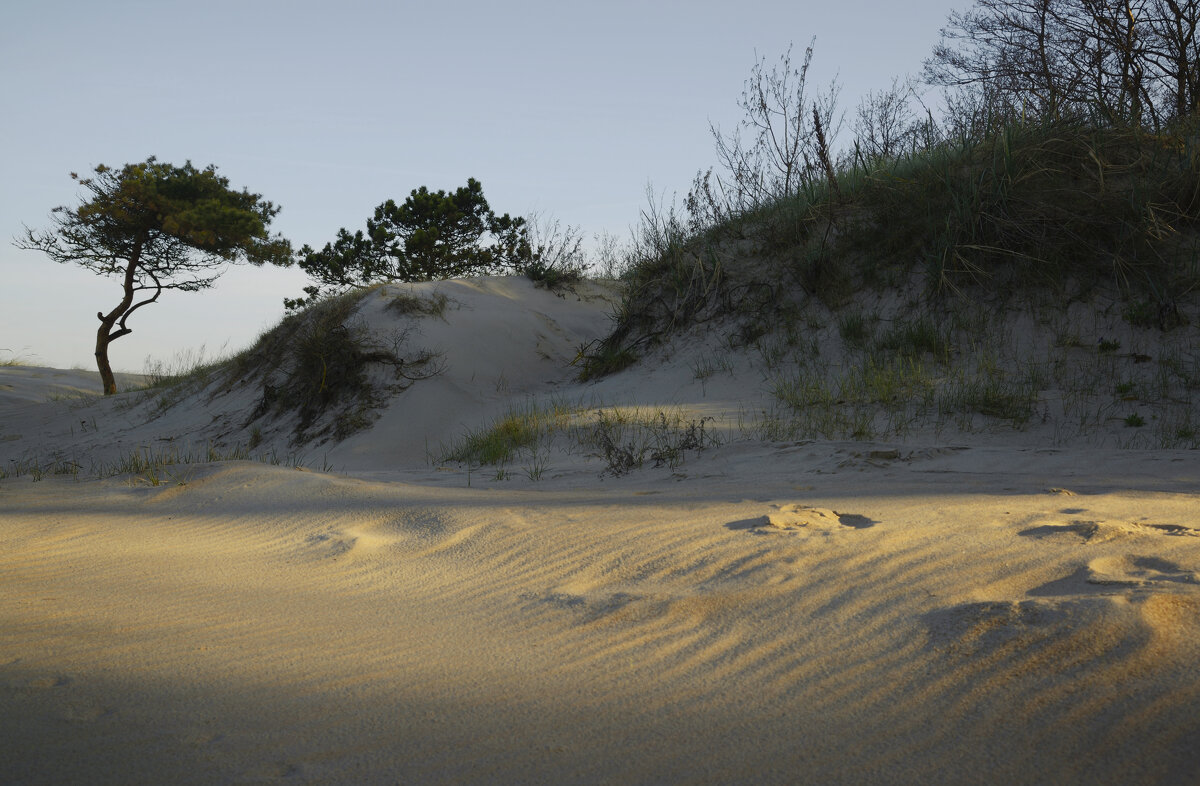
773,152
1172,51
885,123
1119,61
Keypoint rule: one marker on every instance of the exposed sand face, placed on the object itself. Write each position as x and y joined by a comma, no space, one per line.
765,612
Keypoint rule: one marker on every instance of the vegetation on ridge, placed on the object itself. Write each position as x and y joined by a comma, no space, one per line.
1041,180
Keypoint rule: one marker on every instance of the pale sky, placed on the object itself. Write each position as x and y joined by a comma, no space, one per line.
328,108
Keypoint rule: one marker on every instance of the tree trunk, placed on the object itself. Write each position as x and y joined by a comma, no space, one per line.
105,335
106,373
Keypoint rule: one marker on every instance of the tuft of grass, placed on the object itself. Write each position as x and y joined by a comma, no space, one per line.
537,467
147,464
994,398
706,367
498,444
627,439
519,430
603,357
914,339
410,304
12,360
854,329
36,470
192,366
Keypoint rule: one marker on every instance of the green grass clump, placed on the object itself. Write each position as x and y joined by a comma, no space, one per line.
187,366
1050,205
319,363
411,304
854,329
522,429
625,438
499,443
995,398
604,357
914,339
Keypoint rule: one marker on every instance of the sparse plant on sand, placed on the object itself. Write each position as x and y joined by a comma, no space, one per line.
912,339
153,466
538,464
557,258
853,327
520,429
12,359
627,439
500,443
412,304
185,365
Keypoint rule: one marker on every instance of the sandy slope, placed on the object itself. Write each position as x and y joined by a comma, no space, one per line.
765,612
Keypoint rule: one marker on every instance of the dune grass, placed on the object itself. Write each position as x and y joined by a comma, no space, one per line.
521,429
626,438
147,464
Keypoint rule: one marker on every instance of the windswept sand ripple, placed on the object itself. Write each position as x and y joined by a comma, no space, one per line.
265,623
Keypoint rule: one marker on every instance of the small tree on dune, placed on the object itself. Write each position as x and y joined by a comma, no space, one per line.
431,235
156,226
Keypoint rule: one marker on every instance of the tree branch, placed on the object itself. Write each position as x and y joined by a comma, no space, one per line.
124,331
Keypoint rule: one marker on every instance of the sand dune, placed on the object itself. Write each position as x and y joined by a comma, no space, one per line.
775,612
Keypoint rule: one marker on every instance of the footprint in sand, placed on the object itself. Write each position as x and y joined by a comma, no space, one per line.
84,711
800,518
1121,574
48,682
201,738
1104,530
331,544
1134,571
276,770
62,700
1105,610
595,606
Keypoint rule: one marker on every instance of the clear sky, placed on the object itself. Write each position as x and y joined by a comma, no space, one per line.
329,108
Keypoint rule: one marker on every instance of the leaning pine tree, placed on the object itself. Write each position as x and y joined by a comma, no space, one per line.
155,226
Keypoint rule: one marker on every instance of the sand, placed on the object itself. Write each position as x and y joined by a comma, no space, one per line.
814,612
